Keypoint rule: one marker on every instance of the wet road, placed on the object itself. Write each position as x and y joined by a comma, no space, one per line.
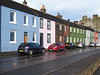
42,64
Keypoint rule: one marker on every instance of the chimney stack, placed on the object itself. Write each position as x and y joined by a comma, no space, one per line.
84,17
43,9
59,16
76,22
25,3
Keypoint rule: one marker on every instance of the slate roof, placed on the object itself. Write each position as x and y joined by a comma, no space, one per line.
14,5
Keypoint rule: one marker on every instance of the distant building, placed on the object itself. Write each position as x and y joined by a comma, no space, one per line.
94,22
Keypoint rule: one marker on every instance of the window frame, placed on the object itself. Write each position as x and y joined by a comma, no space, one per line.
48,38
74,30
74,39
60,27
83,31
14,37
34,37
48,22
77,39
65,28
70,29
60,38
77,30
70,39
41,23
25,15
34,25
14,17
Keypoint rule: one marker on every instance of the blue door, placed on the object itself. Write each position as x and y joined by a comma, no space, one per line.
65,39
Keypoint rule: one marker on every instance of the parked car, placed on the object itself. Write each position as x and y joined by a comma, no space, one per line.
80,45
97,45
70,45
56,47
92,44
30,48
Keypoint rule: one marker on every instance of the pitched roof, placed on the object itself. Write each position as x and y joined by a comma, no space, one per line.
14,5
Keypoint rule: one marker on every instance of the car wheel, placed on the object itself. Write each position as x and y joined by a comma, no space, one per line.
30,52
43,51
64,49
71,47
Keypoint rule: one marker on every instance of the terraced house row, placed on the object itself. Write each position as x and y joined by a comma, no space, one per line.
19,23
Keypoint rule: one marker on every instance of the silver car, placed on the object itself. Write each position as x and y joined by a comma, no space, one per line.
92,44
80,44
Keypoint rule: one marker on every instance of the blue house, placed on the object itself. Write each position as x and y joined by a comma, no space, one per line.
18,24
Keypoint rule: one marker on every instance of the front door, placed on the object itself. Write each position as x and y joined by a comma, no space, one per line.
65,39
41,39
25,37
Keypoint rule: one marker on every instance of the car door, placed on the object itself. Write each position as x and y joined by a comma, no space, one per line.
34,48
38,47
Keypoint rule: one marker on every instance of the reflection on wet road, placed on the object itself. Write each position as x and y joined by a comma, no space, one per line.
23,60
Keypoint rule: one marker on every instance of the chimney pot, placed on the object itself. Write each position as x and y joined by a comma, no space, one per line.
25,3
59,16
43,9
76,22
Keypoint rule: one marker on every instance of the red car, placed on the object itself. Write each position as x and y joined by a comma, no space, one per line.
56,47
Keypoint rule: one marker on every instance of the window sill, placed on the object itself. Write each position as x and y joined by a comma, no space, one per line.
34,41
13,42
13,22
25,24
33,25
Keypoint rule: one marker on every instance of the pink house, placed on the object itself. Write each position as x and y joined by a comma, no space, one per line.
47,32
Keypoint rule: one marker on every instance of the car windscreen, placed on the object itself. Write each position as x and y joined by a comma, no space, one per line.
91,43
79,43
24,44
55,44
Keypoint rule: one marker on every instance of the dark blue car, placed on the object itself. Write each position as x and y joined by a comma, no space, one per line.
30,48
70,45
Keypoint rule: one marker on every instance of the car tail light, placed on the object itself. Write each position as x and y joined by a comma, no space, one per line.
81,43
69,45
26,47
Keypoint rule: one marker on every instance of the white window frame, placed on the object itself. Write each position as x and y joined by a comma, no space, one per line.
14,22
77,39
74,30
26,20
70,39
48,21
60,27
14,37
41,24
65,28
74,39
67,39
70,29
80,39
48,38
34,37
34,22
77,30
83,39
83,31
60,38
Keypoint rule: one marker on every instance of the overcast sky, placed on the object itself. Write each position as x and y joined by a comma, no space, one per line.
69,9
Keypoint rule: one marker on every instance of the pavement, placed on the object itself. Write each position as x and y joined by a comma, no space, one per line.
8,54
